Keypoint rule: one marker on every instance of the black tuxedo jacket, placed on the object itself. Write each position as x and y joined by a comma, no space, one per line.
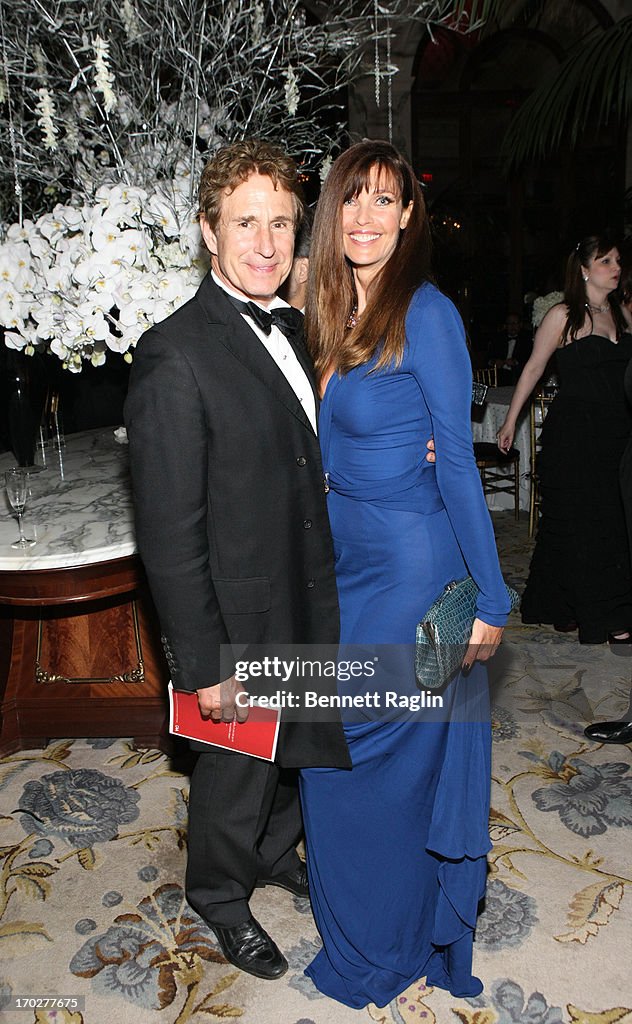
231,517
522,348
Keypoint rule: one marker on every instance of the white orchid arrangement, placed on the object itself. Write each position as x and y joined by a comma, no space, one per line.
84,280
543,304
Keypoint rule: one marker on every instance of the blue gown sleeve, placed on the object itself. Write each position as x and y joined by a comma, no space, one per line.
440,362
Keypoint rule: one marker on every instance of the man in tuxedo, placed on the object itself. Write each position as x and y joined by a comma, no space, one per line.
232,528
510,350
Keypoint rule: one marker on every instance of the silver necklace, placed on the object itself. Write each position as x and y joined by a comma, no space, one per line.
598,309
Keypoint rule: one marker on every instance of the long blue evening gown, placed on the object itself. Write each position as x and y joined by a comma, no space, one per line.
396,847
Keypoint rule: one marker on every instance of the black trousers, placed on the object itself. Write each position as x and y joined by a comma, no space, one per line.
244,824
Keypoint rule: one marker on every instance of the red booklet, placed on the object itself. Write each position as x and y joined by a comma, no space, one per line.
256,736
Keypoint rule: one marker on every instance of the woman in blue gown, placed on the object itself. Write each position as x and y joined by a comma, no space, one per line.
396,847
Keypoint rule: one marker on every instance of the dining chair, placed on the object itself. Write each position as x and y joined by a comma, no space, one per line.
487,375
499,471
540,402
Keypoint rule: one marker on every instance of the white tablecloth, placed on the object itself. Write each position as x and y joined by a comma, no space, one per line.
484,428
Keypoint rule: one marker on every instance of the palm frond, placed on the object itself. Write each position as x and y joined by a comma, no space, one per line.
595,79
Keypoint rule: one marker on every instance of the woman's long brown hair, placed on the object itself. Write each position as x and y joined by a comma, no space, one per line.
590,248
331,290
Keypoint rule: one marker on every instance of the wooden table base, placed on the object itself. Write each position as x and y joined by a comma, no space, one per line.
93,668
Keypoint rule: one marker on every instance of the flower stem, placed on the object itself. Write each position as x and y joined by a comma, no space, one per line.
185,1012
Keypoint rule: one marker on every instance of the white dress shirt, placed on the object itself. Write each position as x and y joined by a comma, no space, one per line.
278,346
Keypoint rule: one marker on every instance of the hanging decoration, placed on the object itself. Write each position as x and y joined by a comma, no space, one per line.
8,100
107,114
388,70
153,87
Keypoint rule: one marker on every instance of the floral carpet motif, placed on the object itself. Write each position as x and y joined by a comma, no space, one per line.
92,853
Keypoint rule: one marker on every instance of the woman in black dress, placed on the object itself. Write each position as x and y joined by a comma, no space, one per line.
621,730
580,575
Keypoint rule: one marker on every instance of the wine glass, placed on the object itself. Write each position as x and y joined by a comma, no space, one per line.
17,483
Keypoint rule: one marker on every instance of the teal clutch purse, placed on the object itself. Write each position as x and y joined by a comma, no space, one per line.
442,636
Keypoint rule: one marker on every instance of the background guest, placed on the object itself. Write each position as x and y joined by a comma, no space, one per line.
580,574
294,289
510,349
621,730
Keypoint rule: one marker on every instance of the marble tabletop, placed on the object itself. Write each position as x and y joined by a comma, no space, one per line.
80,506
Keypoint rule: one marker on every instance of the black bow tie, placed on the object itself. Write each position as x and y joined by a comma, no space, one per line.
286,318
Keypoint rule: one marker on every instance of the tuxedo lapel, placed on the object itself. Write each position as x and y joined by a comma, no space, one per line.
230,330
303,357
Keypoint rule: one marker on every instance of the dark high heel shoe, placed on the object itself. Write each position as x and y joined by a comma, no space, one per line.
621,645
609,732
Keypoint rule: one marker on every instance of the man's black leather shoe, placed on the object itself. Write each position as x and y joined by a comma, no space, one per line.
250,948
609,732
295,881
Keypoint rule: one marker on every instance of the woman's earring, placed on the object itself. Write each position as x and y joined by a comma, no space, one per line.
585,276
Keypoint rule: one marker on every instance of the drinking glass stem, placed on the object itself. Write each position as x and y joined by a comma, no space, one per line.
22,537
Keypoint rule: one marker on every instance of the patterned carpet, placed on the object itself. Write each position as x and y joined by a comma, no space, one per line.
92,837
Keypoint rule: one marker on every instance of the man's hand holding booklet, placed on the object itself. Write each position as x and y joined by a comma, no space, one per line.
256,736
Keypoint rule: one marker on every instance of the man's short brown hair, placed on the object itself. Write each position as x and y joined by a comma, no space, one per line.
235,163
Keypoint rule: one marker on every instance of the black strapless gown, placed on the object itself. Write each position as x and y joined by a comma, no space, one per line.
580,570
